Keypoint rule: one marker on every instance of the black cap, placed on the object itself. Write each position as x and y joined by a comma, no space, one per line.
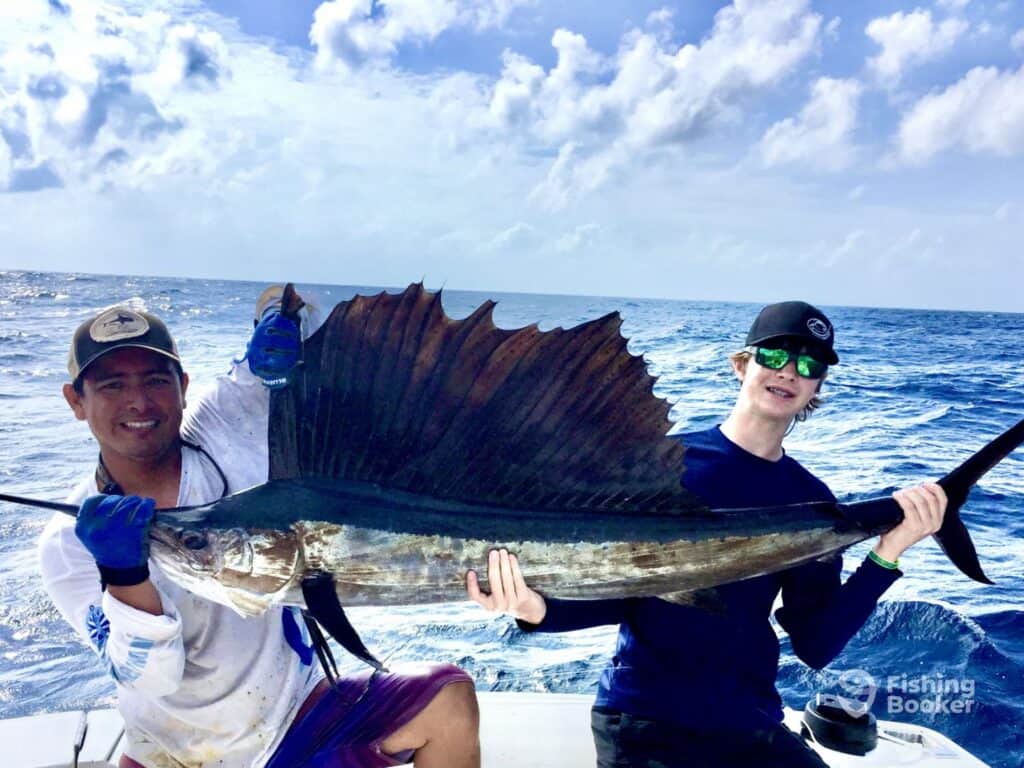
795,320
117,328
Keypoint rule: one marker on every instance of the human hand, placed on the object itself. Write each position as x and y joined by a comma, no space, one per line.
924,507
509,593
115,530
274,349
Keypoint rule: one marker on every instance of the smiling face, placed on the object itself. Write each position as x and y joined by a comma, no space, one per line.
773,395
132,399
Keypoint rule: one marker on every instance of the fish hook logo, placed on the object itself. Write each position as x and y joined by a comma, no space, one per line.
860,688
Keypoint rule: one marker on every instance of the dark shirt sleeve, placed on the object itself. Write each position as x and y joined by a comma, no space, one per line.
821,613
567,615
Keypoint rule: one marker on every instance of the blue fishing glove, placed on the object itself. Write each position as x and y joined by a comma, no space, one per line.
115,530
274,349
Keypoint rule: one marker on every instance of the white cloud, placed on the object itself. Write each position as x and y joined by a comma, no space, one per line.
547,104
5,164
570,175
601,112
953,6
520,83
353,179
916,246
908,39
191,57
93,89
1003,211
849,246
986,29
1017,41
819,136
519,235
661,22
857,192
981,113
909,241
832,28
351,32
581,236
486,14
342,32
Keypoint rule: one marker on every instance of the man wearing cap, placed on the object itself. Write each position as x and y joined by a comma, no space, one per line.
198,684
695,685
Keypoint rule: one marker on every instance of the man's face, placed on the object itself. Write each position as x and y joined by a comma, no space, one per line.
132,399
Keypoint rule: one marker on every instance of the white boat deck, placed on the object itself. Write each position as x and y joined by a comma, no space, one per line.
526,730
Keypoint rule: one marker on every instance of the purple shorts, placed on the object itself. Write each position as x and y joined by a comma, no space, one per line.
346,725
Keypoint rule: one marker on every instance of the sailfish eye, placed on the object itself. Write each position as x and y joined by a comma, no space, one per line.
194,540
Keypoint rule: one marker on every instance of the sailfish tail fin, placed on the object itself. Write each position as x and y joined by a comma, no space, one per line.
953,536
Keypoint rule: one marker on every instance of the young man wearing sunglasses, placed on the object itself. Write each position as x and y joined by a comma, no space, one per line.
695,686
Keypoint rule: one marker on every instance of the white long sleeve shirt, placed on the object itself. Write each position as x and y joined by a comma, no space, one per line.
199,685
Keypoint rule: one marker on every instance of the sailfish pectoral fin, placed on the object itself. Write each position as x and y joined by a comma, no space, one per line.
323,605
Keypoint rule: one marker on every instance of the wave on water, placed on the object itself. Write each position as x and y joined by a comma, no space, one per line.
35,373
34,293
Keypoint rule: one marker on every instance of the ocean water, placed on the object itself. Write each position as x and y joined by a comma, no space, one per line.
916,393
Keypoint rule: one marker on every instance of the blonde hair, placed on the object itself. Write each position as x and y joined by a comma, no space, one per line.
740,360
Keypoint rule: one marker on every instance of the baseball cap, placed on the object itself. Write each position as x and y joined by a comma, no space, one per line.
795,319
118,328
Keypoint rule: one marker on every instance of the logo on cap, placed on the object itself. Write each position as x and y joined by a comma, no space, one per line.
117,324
819,328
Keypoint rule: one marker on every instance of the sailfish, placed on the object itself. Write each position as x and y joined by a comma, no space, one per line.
408,444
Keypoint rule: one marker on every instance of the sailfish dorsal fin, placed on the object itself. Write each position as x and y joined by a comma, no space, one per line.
394,392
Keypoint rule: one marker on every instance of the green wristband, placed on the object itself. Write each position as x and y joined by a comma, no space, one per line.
879,560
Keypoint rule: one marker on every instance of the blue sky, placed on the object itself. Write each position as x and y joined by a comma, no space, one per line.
846,153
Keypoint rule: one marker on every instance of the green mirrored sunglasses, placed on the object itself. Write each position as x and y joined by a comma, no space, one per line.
807,365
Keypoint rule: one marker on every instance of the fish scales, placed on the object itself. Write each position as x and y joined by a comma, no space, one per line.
388,548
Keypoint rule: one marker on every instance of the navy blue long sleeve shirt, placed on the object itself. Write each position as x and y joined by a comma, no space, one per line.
716,668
